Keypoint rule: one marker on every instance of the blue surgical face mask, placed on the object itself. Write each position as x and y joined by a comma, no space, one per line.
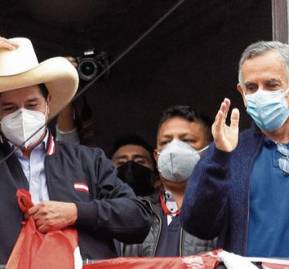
268,109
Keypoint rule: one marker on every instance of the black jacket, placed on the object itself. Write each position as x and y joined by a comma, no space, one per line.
189,245
109,210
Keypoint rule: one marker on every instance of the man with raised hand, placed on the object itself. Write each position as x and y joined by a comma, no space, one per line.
239,190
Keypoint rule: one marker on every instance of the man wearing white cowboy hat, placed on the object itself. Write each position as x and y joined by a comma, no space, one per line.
70,185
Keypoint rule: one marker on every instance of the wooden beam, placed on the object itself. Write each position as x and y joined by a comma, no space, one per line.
280,20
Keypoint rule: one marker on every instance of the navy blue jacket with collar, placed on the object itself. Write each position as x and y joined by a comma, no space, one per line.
109,209
216,202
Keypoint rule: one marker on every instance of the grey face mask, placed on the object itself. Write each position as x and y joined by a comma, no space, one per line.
177,161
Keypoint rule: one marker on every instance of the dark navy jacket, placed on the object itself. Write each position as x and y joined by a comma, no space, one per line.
216,202
109,209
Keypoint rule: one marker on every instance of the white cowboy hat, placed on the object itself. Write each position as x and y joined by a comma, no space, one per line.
20,68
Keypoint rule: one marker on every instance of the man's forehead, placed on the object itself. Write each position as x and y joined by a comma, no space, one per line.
268,66
179,126
21,92
129,150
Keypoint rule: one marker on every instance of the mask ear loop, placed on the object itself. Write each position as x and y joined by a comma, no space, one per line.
286,92
203,149
46,114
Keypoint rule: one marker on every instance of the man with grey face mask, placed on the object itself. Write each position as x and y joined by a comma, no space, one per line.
239,192
182,135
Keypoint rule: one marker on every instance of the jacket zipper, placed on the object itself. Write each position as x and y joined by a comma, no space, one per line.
47,178
180,243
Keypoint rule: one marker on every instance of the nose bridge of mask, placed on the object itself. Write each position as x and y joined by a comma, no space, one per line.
270,97
262,96
177,145
178,148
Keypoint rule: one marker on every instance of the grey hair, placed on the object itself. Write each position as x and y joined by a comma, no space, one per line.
260,48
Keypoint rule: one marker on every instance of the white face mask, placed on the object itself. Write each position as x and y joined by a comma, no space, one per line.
177,161
20,125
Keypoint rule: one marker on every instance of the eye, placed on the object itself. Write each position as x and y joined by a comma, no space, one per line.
32,106
273,86
251,88
9,108
188,140
164,142
140,160
120,163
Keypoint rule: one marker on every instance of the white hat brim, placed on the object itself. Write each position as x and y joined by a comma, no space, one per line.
59,76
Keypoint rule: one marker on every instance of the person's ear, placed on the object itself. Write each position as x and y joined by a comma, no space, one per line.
242,92
156,154
48,101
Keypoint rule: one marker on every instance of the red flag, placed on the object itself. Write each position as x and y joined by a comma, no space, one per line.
208,260
35,250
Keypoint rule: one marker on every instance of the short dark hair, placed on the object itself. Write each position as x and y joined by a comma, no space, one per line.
43,90
190,114
131,139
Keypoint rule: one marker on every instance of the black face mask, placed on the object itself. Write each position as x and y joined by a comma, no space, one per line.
138,177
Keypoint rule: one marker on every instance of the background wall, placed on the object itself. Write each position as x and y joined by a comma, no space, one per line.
190,59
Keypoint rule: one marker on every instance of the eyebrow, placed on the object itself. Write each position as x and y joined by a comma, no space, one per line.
271,80
7,103
181,135
247,84
33,99
134,156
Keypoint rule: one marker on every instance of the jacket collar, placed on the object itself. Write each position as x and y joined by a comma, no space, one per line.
48,142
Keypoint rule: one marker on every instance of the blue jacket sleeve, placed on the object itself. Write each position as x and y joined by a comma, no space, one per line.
205,203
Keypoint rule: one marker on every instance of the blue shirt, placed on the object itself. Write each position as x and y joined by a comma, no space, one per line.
268,233
33,168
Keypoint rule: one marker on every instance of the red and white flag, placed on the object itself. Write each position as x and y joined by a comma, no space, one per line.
35,250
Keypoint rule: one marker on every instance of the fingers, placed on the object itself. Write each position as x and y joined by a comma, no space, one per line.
34,209
225,106
72,60
218,121
43,229
222,114
52,215
235,116
7,44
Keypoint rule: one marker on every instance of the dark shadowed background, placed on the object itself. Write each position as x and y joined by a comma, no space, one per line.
191,58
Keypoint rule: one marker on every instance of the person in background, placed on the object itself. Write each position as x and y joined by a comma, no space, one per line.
135,163
131,154
183,134
71,186
239,192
